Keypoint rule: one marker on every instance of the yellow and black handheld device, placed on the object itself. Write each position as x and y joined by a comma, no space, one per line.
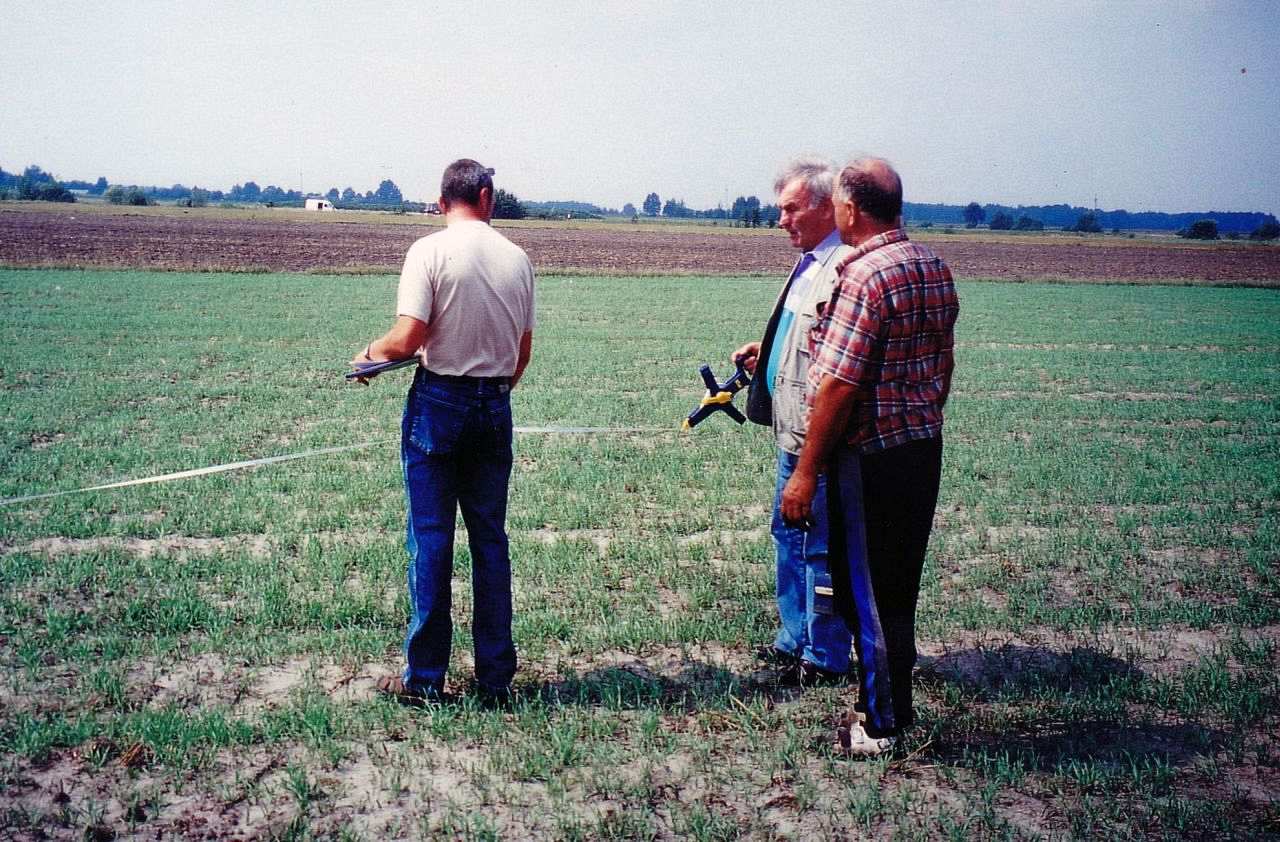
719,397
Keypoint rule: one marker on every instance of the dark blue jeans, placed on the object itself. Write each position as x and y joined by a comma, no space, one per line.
456,453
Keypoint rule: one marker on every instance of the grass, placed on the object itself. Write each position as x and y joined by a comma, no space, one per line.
1099,620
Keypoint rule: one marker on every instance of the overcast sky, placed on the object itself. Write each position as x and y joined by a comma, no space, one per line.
1170,106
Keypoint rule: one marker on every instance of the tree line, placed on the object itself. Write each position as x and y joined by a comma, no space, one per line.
35,183
1087,220
746,211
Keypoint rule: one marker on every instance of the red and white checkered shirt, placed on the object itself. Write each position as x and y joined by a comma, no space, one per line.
889,329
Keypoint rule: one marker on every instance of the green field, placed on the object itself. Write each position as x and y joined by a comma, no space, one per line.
1099,622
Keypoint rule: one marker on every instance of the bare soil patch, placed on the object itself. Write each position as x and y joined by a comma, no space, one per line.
225,241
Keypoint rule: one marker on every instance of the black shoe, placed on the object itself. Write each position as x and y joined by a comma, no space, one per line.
805,674
773,655
494,698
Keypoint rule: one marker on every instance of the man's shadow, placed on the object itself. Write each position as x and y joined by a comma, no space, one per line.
1086,702
633,686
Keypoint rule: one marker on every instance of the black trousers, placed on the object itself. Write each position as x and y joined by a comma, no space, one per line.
899,497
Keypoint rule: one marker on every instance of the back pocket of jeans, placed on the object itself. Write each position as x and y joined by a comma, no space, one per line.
435,427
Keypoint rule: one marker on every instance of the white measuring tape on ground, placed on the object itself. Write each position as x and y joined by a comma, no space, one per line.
305,454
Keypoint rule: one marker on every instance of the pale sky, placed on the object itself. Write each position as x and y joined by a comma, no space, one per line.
1170,106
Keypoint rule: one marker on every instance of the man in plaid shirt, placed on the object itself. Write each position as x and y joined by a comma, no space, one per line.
881,371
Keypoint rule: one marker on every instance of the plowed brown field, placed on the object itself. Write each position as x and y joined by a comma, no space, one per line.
284,240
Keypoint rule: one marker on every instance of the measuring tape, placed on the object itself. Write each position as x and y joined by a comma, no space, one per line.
306,454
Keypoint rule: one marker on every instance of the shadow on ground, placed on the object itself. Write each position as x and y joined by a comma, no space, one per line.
1051,707
634,686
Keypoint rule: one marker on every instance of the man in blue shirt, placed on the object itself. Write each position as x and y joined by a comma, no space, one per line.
813,647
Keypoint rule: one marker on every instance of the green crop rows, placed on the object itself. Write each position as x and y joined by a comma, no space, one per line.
1099,622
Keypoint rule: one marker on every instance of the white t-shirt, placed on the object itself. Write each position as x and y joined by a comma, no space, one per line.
474,290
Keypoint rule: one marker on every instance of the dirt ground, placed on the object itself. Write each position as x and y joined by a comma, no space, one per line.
71,236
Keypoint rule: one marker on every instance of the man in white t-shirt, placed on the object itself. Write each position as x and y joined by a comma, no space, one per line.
465,308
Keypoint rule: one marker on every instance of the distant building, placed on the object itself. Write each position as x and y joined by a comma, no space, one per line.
431,207
319,205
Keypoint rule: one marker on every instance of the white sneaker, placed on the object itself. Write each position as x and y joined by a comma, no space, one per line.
853,741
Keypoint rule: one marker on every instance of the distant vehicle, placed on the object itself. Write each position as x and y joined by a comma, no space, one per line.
431,207
319,205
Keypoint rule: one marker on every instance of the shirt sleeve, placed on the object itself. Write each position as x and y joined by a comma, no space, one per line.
416,292
530,318
847,349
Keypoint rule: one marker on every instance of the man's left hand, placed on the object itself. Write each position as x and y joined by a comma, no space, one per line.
362,358
796,505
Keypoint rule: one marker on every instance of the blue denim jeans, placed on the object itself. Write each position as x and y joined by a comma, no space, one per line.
822,640
456,453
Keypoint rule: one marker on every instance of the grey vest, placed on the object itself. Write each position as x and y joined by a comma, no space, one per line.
785,412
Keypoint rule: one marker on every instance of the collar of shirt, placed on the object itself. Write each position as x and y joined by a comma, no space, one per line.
897,235
823,249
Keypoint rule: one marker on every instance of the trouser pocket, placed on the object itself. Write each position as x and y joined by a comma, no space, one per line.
431,423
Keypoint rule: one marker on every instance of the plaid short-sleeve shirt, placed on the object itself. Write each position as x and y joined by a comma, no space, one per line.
889,330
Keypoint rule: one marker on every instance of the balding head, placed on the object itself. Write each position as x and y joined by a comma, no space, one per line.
874,186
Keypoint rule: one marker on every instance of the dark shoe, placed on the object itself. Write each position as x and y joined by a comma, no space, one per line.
393,686
494,698
773,655
805,674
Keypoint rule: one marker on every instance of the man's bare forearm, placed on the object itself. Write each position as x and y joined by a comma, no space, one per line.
832,406
522,361
403,340
827,421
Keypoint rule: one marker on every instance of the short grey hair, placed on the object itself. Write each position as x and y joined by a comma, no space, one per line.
818,175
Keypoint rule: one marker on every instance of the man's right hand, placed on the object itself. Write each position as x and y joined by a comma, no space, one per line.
746,356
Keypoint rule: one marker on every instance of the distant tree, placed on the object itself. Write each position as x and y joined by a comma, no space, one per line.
652,204
745,209
388,193
136,197
1268,230
250,192
973,215
628,209
349,195
332,195
368,195
115,194
99,187
1001,221
199,198
1026,223
507,206
675,208
37,185
37,175
1087,224
1201,229
769,215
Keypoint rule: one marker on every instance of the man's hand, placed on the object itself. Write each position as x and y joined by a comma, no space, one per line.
796,505
403,340
746,356
364,358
